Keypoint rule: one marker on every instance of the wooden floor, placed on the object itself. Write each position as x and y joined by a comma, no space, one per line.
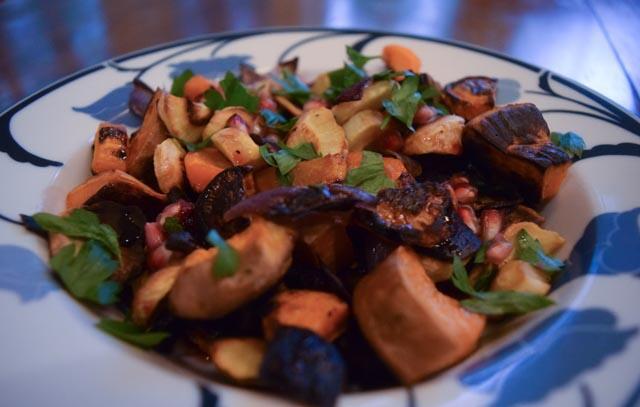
595,42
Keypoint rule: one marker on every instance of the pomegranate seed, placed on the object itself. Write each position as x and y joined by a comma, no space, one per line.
491,223
424,115
153,235
159,257
465,194
498,250
237,122
469,218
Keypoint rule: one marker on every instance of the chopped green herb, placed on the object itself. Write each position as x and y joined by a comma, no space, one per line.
485,277
191,147
293,88
431,96
405,100
85,272
494,302
235,94
131,333
177,87
342,79
481,254
286,158
530,250
570,142
80,224
358,59
370,175
172,225
227,259
277,121
386,75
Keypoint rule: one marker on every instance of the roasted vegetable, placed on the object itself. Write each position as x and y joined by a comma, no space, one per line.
109,148
372,98
393,168
320,312
468,97
168,165
221,117
304,366
414,328
238,147
513,141
401,58
326,237
264,251
517,275
139,98
203,165
550,241
183,118
363,129
152,291
238,358
324,170
318,127
441,136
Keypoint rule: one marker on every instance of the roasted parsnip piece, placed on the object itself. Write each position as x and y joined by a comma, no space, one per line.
183,118
471,96
238,358
109,148
168,165
372,98
550,241
517,275
318,127
238,147
441,136
221,117
363,129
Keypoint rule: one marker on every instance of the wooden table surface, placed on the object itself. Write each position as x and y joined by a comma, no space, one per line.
594,42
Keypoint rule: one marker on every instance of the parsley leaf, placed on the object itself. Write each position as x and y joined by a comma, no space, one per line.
570,142
530,250
431,96
277,121
177,87
287,158
485,277
494,302
235,94
386,75
80,224
370,175
86,272
357,58
405,100
293,87
481,254
227,259
172,225
131,333
342,79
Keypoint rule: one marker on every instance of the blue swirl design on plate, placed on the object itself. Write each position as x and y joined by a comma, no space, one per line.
23,273
528,370
211,67
208,398
112,107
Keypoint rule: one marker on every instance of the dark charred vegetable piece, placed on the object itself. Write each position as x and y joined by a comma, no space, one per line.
290,65
248,75
521,213
372,248
513,142
128,223
139,98
223,192
353,92
412,166
302,365
181,241
295,202
421,215
471,96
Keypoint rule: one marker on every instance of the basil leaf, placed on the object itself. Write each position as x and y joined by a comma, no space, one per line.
227,259
570,142
293,87
530,250
177,87
172,225
131,333
342,79
358,59
305,151
277,121
370,175
86,272
506,302
235,94
80,224
405,100
431,96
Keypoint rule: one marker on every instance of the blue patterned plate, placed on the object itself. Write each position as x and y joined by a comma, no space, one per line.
584,351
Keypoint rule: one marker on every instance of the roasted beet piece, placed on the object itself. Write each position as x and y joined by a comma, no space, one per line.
223,192
302,365
353,92
421,215
471,96
295,202
139,98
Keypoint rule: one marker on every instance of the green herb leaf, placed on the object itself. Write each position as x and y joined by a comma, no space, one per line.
191,147
293,88
485,278
305,151
235,94
405,100
277,121
431,96
177,87
80,224
494,302
342,79
172,225
370,175
86,272
287,158
570,142
227,259
530,250
131,333
358,59
481,254
385,75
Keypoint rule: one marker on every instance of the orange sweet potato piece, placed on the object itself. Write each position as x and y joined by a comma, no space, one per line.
203,165
400,58
109,148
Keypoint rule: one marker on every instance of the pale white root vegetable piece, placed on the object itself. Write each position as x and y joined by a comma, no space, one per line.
183,118
238,358
442,136
320,312
550,240
264,251
518,275
168,165
318,127
363,129
288,105
372,98
321,84
109,148
112,179
151,292
414,328
221,117
324,170
437,270
238,147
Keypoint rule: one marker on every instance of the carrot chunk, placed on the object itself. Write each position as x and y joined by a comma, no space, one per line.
196,86
203,165
400,58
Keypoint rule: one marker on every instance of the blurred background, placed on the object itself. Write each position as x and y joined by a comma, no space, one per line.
594,42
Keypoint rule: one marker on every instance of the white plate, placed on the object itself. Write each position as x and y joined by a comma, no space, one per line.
584,351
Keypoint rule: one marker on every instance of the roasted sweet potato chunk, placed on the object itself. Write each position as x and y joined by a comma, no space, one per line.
471,96
513,142
109,148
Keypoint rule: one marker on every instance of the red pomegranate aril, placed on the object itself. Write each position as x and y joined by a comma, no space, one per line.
159,257
469,218
392,140
498,250
465,194
491,223
153,235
